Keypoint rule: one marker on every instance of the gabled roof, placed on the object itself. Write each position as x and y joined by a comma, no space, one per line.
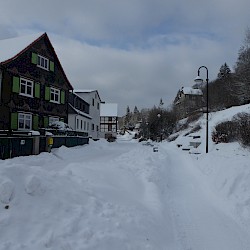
109,109
11,48
86,91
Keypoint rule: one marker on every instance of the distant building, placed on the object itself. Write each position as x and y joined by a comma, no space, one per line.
108,119
188,101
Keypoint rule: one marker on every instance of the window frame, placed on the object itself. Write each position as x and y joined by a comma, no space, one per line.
55,92
24,82
26,117
41,59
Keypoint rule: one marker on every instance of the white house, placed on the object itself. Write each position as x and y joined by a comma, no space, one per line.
93,99
78,114
108,119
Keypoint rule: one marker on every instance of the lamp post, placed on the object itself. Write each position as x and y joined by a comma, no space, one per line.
159,116
198,79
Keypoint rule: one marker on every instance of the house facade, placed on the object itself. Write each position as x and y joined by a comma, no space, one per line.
34,89
108,119
78,116
188,101
92,97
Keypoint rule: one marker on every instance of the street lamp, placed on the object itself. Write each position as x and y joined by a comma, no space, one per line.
159,116
198,79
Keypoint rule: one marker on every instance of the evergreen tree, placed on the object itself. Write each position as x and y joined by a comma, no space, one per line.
136,115
224,71
128,117
242,69
161,104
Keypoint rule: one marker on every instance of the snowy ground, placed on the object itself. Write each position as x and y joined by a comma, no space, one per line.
122,195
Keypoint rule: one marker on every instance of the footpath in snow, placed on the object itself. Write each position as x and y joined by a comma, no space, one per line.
122,195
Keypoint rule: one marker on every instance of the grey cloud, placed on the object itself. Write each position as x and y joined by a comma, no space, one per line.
136,51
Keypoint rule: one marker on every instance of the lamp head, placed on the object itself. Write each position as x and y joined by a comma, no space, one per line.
198,79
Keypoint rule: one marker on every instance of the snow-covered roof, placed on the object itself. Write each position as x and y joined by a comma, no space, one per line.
109,109
84,90
191,91
10,47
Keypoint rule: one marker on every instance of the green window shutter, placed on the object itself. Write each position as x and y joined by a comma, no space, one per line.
47,93
16,84
51,66
35,122
62,96
34,58
45,121
37,90
14,121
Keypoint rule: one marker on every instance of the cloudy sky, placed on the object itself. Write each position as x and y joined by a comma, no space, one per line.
133,52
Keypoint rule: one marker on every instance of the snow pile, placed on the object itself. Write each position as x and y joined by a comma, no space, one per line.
123,195
60,125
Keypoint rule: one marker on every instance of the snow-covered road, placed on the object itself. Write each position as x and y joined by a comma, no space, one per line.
119,195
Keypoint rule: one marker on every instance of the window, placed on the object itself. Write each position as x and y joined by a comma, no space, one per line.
54,95
98,105
42,62
77,123
26,87
93,127
97,128
93,102
81,124
53,119
24,121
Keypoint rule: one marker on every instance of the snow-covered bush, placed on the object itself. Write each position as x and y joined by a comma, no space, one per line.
60,126
236,130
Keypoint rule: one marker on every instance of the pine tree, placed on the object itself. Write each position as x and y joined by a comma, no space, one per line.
242,68
161,104
225,71
127,117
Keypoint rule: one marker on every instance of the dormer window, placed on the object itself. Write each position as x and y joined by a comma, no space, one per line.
42,62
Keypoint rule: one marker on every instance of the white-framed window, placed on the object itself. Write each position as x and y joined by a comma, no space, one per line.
54,95
24,121
53,119
42,62
26,87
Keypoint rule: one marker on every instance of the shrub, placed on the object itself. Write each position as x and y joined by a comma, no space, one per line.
236,130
